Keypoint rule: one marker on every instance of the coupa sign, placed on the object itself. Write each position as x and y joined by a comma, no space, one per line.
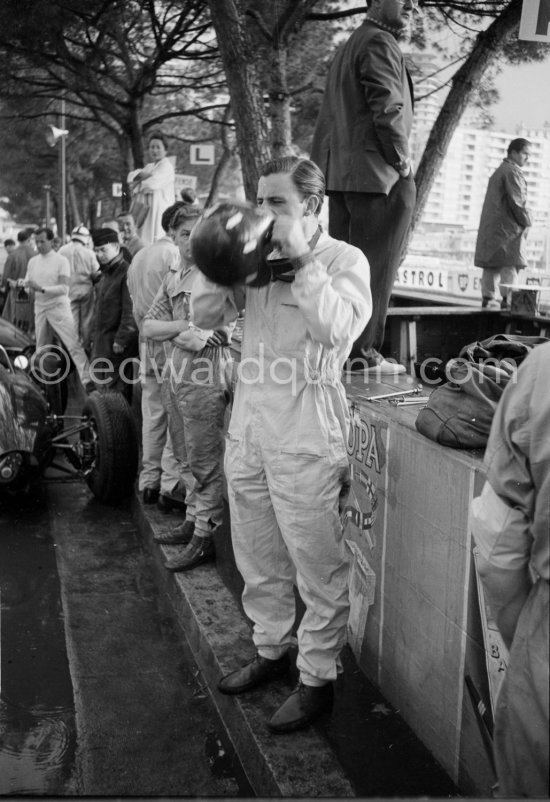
367,453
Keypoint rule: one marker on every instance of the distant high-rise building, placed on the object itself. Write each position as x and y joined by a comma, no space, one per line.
456,198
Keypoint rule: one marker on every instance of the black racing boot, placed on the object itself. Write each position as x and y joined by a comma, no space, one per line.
305,704
255,672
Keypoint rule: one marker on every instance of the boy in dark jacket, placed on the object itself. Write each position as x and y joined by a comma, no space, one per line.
115,345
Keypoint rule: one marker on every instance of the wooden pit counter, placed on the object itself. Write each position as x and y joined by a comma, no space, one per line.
415,625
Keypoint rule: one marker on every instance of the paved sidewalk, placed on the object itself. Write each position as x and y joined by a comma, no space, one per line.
364,749
300,764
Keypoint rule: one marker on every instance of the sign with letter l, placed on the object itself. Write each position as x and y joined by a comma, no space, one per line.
535,21
202,154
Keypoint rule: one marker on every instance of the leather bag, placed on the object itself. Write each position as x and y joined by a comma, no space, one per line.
459,413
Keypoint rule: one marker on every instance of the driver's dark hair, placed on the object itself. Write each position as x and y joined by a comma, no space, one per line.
47,231
517,145
306,176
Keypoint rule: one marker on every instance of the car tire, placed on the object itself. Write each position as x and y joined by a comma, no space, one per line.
113,474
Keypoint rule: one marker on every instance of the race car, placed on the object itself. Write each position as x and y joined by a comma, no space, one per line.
100,446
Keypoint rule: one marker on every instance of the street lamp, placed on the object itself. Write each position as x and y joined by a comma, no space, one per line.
53,136
47,187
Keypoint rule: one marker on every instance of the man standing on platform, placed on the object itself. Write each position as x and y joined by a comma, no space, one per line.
361,143
503,225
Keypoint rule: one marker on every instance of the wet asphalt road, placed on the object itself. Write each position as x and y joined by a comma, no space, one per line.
37,725
100,694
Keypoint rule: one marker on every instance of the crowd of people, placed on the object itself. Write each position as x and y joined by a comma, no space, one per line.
136,294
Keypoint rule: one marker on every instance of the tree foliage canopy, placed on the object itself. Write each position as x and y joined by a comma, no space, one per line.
248,74
115,62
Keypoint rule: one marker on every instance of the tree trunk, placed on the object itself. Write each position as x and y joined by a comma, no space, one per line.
279,102
244,88
227,154
486,49
135,136
219,174
124,145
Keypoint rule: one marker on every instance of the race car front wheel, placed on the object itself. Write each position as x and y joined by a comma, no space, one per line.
112,437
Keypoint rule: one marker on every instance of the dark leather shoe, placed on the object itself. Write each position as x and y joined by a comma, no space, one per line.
200,550
304,705
150,495
167,503
257,671
179,534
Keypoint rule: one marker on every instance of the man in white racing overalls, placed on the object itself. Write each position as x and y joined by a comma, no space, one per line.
286,461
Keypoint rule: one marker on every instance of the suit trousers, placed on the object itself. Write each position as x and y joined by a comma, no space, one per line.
490,278
377,224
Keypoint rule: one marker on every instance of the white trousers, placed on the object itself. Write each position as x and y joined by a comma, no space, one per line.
159,467
83,313
59,318
286,530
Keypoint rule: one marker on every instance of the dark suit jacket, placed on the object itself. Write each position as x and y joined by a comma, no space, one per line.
366,115
114,320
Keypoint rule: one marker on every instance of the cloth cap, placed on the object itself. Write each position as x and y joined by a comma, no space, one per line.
81,234
101,236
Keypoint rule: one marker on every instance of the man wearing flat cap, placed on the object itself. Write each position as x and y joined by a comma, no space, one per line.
115,339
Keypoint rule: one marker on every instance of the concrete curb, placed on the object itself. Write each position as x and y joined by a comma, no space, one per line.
300,764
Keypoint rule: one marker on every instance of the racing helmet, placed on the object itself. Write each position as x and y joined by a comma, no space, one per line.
230,243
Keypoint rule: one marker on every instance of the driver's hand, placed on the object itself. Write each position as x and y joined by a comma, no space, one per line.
289,236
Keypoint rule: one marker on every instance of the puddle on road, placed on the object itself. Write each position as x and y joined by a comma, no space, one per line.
37,727
35,747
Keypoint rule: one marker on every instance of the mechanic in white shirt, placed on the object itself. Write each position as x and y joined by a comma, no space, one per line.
49,275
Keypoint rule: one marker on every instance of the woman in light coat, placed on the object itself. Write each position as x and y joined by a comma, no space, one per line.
154,183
